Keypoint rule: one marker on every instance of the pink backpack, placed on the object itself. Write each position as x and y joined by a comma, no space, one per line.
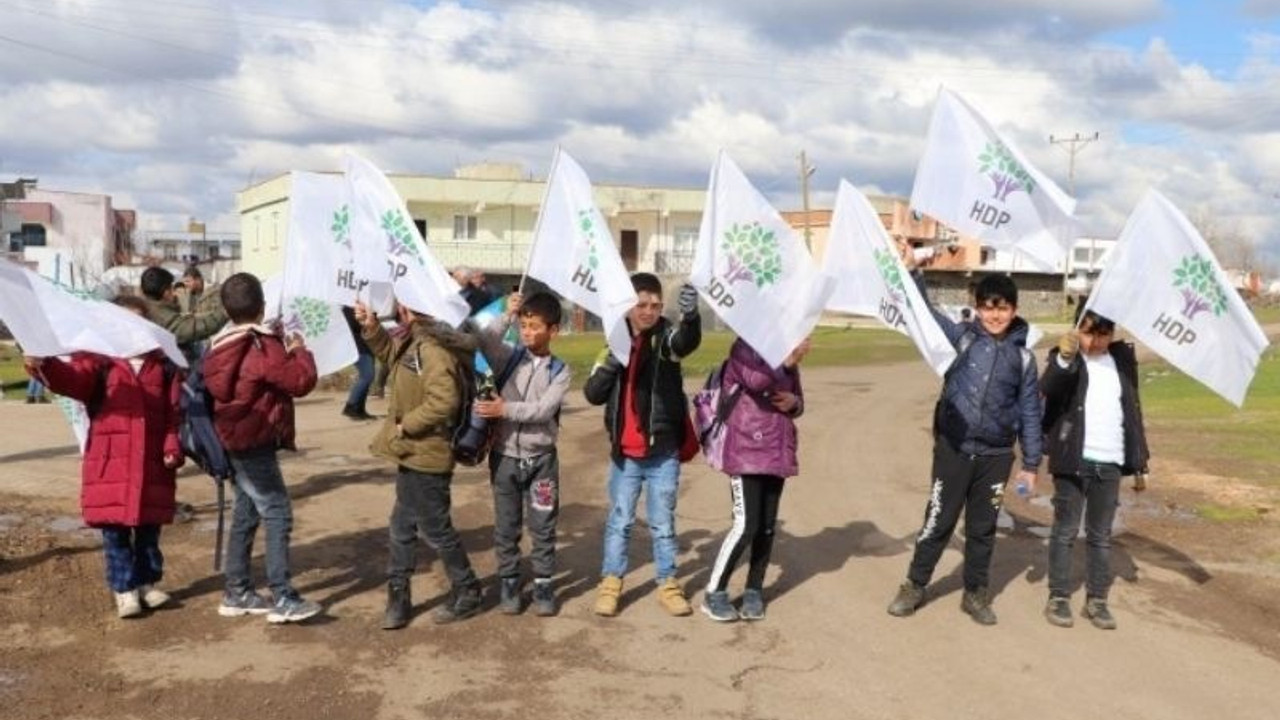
711,408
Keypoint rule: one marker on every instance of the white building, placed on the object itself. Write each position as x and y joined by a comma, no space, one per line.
66,236
193,245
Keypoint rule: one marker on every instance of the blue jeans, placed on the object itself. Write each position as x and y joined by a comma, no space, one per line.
659,476
260,495
364,378
1095,492
133,556
35,388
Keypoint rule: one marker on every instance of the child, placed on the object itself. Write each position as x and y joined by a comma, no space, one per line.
989,398
129,459
1093,424
759,454
646,413
253,376
428,366
164,309
523,465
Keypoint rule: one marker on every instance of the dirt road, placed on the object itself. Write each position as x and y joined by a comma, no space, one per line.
1199,628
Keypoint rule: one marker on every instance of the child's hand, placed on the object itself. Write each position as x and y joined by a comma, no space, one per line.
363,316
784,401
32,363
513,303
294,342
490,408
1025,482
797,354
172,461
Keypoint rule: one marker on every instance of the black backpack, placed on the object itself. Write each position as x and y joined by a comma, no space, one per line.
472,436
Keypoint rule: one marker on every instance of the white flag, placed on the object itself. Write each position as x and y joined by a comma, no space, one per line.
319,322
871,279
980,184
573,253
752,269
318,257
389,248
1163,284
47,321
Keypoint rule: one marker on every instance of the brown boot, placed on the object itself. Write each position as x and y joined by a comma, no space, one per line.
672,598
607,595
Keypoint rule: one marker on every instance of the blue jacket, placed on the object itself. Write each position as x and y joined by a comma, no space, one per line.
990,395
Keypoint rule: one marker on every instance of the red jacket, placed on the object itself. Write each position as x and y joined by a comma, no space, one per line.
123,477
253,381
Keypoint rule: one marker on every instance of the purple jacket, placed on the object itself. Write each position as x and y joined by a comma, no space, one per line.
760,439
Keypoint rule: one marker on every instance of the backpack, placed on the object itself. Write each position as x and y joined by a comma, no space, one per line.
711,409
473,436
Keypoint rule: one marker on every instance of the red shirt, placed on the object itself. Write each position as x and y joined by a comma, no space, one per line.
632,441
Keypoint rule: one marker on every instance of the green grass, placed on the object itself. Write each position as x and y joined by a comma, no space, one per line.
1200,427
1226,514
11,370
1266,315
831,347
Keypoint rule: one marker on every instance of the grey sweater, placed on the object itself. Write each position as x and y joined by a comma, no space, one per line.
531,397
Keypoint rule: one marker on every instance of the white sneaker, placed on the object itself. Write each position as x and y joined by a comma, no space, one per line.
127,604
153,597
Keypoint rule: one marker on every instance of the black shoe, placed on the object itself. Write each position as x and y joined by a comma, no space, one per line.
1058,611
977,603
356,413
509,596
462,604
1096,610
544,598
910,597
31,400
399,606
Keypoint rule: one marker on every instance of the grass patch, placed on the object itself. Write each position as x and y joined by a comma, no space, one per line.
11,371
831,347
1225,514
1267,315
1200,427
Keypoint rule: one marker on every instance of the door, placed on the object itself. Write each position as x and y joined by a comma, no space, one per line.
630,249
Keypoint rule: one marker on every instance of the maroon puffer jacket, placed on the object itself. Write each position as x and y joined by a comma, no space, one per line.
123,477
760,439
253,381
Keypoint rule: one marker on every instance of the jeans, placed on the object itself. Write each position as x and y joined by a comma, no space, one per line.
1096,493
755,514
132,556
364,378
974,485
35,388
422,506
260,495
659,476
523,489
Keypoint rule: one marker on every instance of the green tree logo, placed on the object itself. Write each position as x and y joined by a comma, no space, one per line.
400,240
307,316
341,227
1200,288
887,266
587,230
753,255
1006,173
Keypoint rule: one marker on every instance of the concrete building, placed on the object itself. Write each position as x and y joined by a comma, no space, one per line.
67,236
195,244
484,217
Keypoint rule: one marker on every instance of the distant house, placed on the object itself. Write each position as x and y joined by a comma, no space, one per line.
70,237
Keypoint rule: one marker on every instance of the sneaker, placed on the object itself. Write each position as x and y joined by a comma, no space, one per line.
462,604
716,606
1058,612
607,595
544,598
245,603
356,413
153,597
910,597
292,609
752,606
977,603
1096,610
509,597
128,605
672,599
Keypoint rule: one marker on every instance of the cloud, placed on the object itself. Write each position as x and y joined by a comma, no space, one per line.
1263,9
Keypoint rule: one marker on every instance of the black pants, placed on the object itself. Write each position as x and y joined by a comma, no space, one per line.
422,506
1095,493
973,484
527,488
755,513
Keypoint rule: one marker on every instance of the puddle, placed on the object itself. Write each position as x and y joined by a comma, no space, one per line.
8,522
68,524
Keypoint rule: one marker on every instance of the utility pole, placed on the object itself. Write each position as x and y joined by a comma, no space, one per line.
1074,144
806,170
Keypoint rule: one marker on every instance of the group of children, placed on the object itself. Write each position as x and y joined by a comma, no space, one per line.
1085,407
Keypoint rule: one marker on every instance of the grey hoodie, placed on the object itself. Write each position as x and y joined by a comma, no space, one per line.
532,396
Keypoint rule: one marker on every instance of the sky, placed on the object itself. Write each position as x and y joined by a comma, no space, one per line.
172,107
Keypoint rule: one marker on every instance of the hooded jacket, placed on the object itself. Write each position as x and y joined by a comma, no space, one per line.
253,381
759,438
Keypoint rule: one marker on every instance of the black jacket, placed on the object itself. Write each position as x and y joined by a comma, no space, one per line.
660,399
1064,393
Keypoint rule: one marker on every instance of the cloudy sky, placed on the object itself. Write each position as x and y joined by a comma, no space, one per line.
171,107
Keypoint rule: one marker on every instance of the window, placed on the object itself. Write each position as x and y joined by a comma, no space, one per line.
32,235
1082,256
170,252
422,228
684,241
464,227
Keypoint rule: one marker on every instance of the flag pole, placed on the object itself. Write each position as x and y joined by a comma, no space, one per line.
537,225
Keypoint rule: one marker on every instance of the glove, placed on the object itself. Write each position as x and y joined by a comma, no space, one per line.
688,302
1069,345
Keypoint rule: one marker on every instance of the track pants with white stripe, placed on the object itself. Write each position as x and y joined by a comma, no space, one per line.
755,512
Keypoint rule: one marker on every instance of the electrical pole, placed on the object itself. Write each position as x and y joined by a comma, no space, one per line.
1074,144
806,170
